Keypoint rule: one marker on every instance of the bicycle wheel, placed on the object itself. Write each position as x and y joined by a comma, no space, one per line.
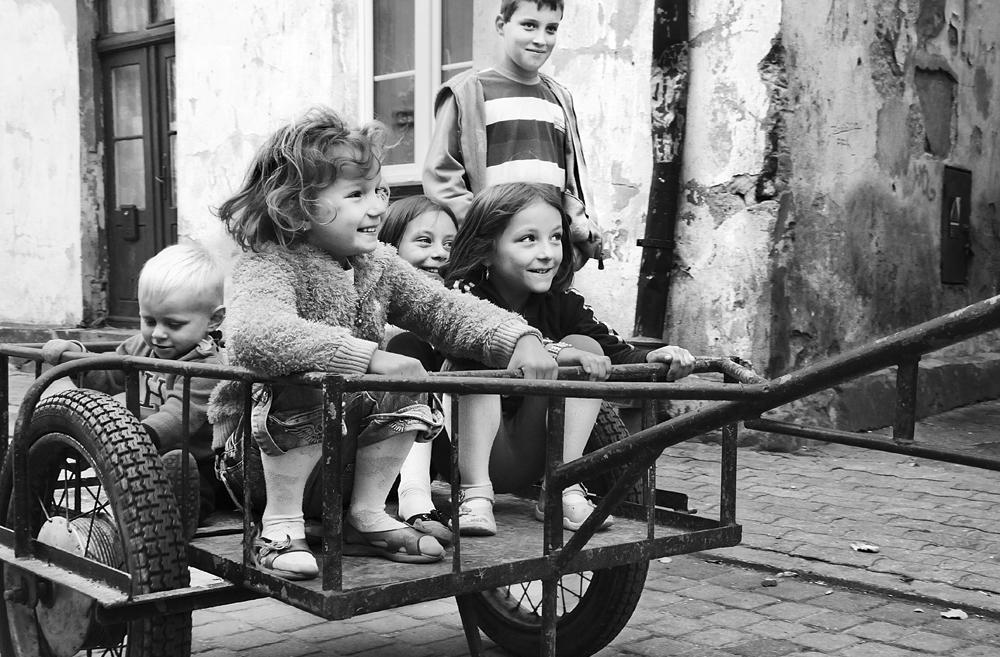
593,606
96,488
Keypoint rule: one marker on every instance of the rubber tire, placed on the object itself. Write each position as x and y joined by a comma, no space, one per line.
605,607
94,426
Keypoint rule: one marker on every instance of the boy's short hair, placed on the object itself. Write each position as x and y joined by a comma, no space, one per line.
508,7
188,266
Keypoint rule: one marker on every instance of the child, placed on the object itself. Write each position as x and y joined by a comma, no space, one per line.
511,251
422,232
180,295
313,290
512,123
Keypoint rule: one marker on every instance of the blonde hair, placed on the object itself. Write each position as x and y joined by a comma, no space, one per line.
188,266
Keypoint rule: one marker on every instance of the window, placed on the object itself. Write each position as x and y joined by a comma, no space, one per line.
412,46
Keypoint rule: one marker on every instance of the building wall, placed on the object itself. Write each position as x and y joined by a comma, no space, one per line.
720,295
236,85
817,135
40,164
604,56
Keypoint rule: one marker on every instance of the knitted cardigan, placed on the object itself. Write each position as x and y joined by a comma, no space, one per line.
297,309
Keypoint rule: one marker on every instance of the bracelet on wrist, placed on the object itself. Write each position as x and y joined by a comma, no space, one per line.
555,347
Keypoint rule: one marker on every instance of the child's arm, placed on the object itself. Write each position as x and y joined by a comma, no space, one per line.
458,324
444,175
111,382
266,332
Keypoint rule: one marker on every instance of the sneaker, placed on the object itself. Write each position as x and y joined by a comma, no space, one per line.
577,507
187,493
475,512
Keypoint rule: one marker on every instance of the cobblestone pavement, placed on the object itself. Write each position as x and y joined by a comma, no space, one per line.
935,526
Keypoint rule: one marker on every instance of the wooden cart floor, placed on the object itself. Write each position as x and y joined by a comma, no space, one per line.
519,538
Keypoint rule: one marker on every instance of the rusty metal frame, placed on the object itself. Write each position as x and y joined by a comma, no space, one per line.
742,396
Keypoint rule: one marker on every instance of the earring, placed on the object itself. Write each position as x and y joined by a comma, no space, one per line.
487,275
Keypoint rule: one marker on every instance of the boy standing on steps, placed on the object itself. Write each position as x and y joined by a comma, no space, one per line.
511,123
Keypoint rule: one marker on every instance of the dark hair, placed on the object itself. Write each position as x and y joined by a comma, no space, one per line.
488,217
277,199
508,7
403,211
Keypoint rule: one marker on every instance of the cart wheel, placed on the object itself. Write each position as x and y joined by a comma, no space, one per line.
96,488
593,606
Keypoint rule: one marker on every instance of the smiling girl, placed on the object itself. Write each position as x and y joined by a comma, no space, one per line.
513,251
313,290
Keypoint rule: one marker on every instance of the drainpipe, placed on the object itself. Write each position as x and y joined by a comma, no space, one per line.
669,90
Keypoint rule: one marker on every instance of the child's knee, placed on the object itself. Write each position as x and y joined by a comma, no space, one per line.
584,343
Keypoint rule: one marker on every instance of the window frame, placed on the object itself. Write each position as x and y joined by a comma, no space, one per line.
426,80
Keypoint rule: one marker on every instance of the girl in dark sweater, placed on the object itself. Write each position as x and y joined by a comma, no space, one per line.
512,251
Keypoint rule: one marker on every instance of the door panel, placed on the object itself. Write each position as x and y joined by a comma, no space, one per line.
140,129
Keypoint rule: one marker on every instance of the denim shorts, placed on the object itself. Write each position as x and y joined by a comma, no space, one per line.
369,418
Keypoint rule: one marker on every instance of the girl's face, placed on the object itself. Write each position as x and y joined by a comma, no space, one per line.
528,253
427,240
348,215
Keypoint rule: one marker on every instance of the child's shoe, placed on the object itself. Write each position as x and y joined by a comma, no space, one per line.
298,562
433,523
475,511
187,492
576,508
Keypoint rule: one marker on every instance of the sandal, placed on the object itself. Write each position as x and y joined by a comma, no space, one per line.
433,523
265,551
402,544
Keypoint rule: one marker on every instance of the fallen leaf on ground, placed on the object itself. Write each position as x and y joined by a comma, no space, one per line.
864,547
954,613
787,573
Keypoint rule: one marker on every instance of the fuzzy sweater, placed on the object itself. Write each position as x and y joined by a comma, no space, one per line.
297,309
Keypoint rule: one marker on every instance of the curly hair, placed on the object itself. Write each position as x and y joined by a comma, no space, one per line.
277,200
488,217
403,211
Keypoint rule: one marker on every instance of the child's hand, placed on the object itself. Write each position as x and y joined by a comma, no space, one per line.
386,362
53,350
531,358
597,366
680,360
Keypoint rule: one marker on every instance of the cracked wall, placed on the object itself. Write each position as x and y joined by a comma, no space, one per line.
828,227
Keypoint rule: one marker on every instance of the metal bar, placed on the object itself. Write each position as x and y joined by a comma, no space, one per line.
906,399
550,620
248,513
553,459
456,487
184,504
727,472
174,601
727,475
333,481
870,441
4,406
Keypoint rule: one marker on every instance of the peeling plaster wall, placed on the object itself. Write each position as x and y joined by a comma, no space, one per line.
243,69
816,140
886,93
603,56
720,298
40,195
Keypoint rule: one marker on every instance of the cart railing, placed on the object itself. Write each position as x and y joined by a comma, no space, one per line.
741,396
